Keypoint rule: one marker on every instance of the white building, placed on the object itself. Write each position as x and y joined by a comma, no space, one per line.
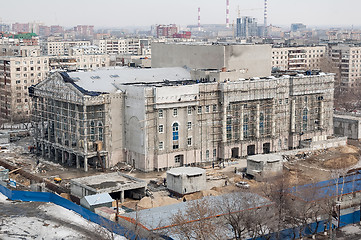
17,73
159,118
346,61
124,46
59,48
298,58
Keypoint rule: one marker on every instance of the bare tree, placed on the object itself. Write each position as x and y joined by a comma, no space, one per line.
198,221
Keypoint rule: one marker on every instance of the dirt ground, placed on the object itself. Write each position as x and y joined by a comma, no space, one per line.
221,178
322,165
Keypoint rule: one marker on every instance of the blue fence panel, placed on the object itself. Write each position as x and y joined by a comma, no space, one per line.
85,213
350,218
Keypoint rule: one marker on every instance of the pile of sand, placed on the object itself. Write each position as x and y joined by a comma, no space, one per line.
148,202
201,194
348,149
341,162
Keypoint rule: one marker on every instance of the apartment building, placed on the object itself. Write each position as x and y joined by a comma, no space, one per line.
17,73
161,118
166,30
126,46
79,62
346,60
298,58
246,27
59,48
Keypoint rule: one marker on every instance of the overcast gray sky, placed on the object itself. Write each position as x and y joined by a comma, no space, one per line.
120,13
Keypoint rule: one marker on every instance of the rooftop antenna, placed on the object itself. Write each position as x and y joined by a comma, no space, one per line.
227,14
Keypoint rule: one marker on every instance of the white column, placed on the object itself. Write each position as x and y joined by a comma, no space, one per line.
273,120
224,124
241,123
257,120
293,116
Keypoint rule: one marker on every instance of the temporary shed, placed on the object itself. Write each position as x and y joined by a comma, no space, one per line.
264,165
185,180
95,201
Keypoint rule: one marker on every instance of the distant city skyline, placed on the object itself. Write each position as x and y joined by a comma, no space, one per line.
114,13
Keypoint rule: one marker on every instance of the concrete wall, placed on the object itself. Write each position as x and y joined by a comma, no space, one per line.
192,56
261,169
133,117
115,121
184,184
348,126
250,60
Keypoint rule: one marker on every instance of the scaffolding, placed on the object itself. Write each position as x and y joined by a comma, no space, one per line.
70,133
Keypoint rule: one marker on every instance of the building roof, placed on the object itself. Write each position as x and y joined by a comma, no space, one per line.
161,217
188,171
109,182
266,158
108,79
98,199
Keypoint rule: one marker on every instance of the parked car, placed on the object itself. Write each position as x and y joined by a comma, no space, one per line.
242,184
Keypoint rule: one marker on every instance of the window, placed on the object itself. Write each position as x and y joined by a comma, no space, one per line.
304,119
189,125
189,141
92,130
160,128
100,131
229,128
207,154
160,146
18,100
175,112
207,109
214,153
199,109
175,131
214,108
177,159
18,69
189,110
17,81
245,126
261,123
160,113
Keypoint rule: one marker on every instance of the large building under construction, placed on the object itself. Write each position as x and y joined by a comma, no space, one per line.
163,117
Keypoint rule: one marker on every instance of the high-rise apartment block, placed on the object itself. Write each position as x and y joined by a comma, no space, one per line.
166,30
298,58
346,62
125,46
246,27
17,73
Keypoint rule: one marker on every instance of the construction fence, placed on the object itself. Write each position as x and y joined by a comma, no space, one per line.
28,196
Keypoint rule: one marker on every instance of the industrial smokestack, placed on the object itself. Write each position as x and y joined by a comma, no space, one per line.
265,32
227,14
199,19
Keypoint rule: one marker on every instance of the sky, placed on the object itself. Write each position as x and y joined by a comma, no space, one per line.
124,13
